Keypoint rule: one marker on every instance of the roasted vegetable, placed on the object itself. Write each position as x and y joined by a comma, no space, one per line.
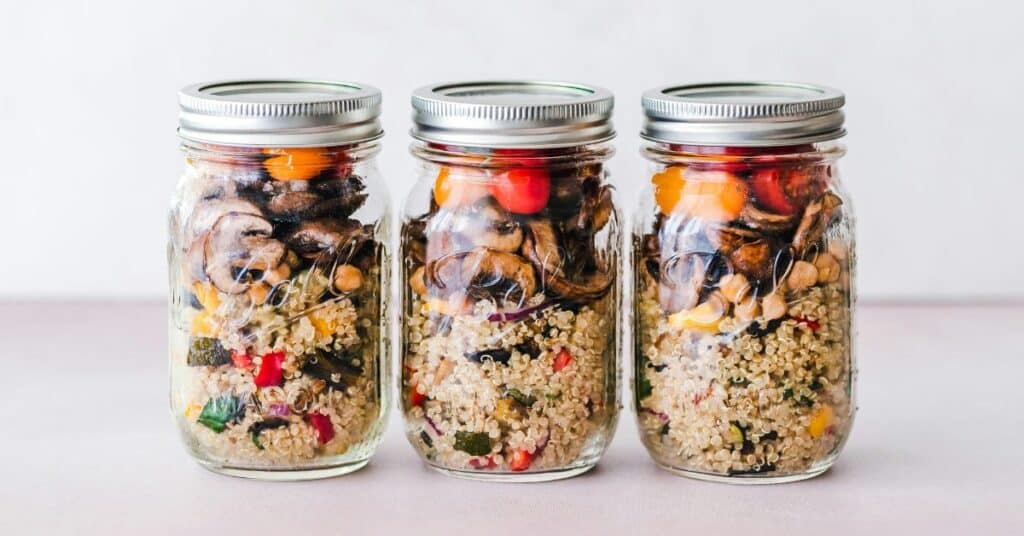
339,369
218,412
473,443
256,428
323,426
207,352
562,360
497,355
270,372
520,397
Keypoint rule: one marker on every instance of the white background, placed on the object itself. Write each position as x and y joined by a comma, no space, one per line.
88,112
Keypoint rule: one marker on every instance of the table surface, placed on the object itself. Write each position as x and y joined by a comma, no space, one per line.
88,446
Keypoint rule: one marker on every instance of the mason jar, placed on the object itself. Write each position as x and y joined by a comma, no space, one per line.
510,280
279,277
743,259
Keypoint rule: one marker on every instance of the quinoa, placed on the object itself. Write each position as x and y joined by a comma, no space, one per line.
559,416
756,397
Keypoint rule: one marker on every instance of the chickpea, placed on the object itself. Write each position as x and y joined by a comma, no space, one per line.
828,268
258,293
417,283
278,275
803,275
748,309
774,306
347,278
734,287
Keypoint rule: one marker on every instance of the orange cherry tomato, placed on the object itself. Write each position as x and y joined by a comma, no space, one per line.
522,190
520,460
562,360
459,188
296,163
709,195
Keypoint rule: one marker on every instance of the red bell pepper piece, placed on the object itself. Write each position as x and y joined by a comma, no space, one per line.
241,360
562,360
486,462
416,398
323,426
269,373
814,325
520,460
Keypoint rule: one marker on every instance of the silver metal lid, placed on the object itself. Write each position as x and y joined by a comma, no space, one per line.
512,114
279,113
743,114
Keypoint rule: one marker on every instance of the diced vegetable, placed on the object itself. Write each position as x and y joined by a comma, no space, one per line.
427,440
416,398
820,422
207,295
202,325
218,412
520,397
473,443
522,190
241,360
487,462
812,324
296,163
506,410
736,433
269,373
256,428
323,426
339,368
207,352
562,360
520,460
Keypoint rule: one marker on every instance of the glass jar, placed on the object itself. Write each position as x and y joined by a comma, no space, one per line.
743,262
510,260
279,278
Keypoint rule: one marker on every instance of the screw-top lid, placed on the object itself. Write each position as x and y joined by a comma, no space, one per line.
743,114
512,114
282,113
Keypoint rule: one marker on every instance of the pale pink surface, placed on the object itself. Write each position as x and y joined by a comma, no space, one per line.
88,446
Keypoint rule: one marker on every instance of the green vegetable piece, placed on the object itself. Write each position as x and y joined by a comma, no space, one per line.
207,352
219,411
736,433
258,427
473,443
787,393
553,396
644,388
425,437
521,398
338,369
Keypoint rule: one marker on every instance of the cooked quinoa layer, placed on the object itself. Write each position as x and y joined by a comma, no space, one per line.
503,395
303,329
770,398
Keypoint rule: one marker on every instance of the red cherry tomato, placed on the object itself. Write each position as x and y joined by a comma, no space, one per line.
322,424
522,190
520,460
562,360
767,186
269,373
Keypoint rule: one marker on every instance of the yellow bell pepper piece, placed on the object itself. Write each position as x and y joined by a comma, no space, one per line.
202,325
820,422
323,327
207,295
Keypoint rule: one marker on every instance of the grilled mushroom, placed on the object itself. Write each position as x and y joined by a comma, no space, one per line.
815,220
316,239
342,196
239,248
293,206
541,247
756,218
206,213
494,273
492,227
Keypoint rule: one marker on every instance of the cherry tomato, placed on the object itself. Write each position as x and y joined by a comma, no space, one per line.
562,360
296,163
456,187
522,190
270,373
520,460
710,195
323,426
767,186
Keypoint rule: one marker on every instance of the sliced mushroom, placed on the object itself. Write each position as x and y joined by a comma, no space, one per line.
756,218
499,272
238,247
541,247
342,197
815,220
603,208
293,206
492,227
316,239
206,213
